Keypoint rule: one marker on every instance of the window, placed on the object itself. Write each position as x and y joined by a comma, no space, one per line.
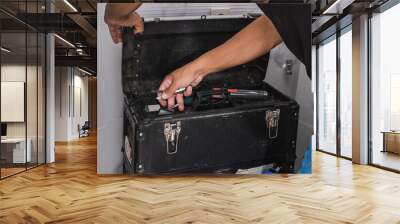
346,93
327,96
385,89
335,74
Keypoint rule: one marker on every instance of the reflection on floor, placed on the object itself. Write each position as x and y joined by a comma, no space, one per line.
70,191
10,171
386,159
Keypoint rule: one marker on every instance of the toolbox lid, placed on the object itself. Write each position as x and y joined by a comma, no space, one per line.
167,45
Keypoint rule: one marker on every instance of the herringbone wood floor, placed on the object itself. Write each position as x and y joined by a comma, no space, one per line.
69,191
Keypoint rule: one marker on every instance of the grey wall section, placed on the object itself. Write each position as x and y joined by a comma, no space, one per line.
298,87
110,100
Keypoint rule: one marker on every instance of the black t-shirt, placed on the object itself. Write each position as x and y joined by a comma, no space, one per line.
293,22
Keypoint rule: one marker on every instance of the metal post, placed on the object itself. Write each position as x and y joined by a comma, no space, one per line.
338,100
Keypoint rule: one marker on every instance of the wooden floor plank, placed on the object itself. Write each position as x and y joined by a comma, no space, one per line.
70,191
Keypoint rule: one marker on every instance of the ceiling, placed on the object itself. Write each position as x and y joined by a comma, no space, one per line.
75,21
72,20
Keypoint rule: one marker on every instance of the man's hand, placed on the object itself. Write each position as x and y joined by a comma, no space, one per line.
256,39
131,20
122,15
187,76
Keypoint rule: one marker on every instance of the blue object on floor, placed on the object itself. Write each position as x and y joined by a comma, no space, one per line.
306,164
267,171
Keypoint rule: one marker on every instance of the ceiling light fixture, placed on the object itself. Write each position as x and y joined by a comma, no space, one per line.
70,5
5,50
65,41
84,71
337,7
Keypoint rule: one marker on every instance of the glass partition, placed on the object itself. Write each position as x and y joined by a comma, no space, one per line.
22,78
14,153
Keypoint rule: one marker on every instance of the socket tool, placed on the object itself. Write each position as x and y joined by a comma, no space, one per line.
240,93
178,91
248,94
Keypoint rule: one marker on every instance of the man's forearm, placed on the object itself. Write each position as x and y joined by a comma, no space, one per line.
119,11
255,40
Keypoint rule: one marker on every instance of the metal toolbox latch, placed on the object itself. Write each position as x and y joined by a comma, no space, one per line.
272,122
171,133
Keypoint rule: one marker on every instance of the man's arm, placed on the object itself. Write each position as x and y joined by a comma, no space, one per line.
119,12
118,15
256,39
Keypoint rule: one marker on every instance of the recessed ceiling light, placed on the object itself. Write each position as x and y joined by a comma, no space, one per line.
84,71
5,50
337,7
70,5
65,41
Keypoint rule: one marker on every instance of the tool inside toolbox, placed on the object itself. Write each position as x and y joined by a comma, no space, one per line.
206,99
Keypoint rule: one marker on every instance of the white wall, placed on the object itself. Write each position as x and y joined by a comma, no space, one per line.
109,100
80,83
61,103
67,81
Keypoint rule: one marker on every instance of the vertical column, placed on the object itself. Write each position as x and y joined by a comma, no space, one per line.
50,92
50,98
338,99
360,90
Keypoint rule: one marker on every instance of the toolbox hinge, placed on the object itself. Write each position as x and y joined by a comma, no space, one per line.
272,122
171,133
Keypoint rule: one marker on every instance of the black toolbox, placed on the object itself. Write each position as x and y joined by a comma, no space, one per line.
227,135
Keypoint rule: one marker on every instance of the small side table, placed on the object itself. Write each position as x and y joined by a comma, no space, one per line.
391,141
14,152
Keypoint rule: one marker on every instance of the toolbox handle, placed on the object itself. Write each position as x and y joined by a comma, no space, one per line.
171,133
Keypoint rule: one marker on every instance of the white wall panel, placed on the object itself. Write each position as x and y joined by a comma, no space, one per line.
12,101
